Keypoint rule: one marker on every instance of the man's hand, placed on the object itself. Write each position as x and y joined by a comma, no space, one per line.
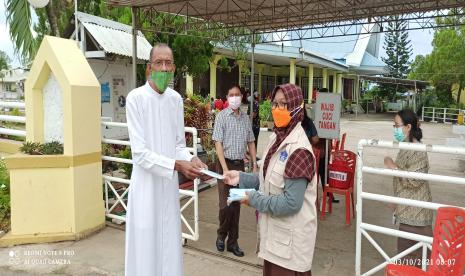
199,163
188,168
231,178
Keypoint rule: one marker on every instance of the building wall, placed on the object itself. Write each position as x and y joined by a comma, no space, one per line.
117,78
225,79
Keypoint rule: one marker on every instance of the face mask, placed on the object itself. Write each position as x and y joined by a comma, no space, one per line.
399,134
161,79
234,102
282,117
249,98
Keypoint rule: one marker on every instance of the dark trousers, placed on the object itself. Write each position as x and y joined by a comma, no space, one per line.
321,171
256,132
414,258
228,215
271,269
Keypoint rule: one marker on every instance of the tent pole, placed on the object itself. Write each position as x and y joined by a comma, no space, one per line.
134,46
357,94
252,72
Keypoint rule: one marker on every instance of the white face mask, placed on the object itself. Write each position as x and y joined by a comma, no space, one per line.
234,102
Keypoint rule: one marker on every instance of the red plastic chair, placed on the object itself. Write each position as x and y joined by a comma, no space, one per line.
340,181
337,145
448,251
343,140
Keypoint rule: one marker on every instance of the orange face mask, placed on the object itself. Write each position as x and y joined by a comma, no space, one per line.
282,117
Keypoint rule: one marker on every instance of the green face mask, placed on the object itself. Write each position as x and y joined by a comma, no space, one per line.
162,79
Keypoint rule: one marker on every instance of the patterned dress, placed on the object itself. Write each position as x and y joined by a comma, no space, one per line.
413,161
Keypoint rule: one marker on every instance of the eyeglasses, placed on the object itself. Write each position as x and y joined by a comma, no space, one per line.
281,106
159,63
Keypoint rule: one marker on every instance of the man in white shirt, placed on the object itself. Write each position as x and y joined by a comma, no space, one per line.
155,119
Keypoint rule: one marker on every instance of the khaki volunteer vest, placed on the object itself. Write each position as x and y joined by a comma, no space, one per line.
288,241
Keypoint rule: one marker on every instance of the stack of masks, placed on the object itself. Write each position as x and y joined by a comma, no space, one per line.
237,194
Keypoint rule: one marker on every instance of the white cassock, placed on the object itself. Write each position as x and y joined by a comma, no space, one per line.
153,222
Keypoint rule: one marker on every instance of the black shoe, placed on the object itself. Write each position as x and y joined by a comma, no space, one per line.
236,251
219,245
335,200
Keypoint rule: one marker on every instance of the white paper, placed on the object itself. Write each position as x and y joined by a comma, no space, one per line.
212,174
236,194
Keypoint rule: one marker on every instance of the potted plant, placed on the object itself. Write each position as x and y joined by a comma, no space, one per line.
197,113
265,113
34,148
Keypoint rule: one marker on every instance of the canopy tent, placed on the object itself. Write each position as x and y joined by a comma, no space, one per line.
263,15
412,84
415,85
303,19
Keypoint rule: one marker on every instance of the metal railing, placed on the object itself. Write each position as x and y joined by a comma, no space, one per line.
441,115
13,119
423,242
193,195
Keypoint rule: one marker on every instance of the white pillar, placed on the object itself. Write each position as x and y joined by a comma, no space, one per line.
334,82
292,71
310,83
325,78
189,85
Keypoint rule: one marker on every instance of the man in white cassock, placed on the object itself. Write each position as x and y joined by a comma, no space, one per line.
155,120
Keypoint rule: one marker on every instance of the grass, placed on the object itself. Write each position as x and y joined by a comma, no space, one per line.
5,209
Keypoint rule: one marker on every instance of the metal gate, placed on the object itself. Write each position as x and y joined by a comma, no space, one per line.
362,228
113,197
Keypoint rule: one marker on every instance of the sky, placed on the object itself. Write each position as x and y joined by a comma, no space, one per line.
421,40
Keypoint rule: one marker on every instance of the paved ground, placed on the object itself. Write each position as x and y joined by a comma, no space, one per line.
103,253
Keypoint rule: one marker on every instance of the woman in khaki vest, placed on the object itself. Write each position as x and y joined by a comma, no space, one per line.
285,190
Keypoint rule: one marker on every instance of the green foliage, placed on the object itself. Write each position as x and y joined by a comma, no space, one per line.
4,61
51,148
265,111
398,48
18,16
32,148
126,168
5,209
108,150
197,114
192,55
223,64
445,66
15,112
35,148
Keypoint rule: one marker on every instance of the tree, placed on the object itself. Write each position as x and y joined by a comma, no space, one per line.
18,16
192,53
4,61
445,66
398,48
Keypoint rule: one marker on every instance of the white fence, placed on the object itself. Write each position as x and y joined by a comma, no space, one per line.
362,228
193,195
14,119
442,115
